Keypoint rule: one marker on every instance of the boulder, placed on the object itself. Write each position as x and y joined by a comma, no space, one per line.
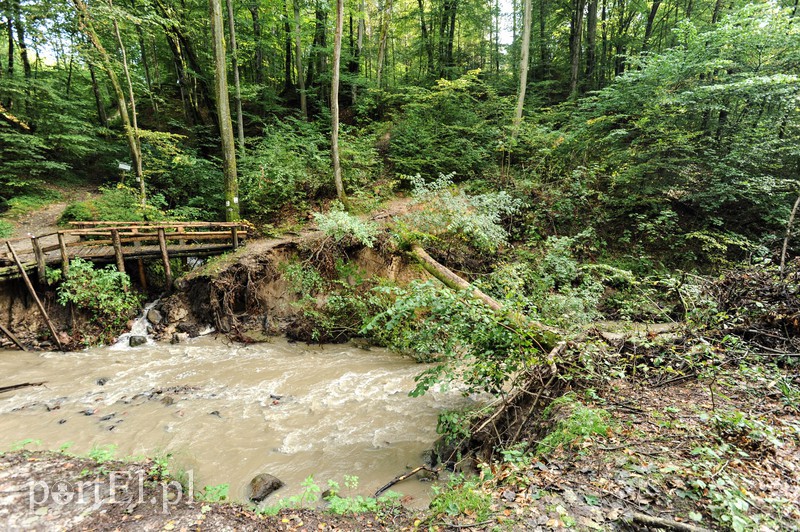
137,340
154,316
262,486
178,338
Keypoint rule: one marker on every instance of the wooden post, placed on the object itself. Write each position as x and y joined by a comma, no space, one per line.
40,266
162,243
235,236
118,250
35,297
64,257
140,261
12,337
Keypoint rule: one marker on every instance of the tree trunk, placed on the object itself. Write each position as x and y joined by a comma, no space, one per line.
85,24
386,18
337,57
237,91
298,59
575,33
98,98
426,40
651,18
591,46
259,49
224,112
288,87
523,67
10,25
717,10
23,48
134,122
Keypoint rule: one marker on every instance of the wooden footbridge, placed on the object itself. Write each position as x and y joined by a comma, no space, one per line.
116,243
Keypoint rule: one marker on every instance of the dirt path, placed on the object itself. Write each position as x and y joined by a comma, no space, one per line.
45,219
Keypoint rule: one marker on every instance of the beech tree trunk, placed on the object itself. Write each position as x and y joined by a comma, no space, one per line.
337,59
237,91
651,18
98,98
224,112
387,16
575,33
298,59
591,46
23,48
523,67
259,51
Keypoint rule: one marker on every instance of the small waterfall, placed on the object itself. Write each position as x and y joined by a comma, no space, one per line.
139,328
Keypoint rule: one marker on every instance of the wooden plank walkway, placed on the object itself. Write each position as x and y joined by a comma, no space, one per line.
117,242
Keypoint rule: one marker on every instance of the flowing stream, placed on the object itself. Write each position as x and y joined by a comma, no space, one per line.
227,412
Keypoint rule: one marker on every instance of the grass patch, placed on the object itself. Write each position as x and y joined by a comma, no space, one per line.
575,423
31,201
6,229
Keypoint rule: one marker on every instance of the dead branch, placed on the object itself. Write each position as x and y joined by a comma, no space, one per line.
18,386
400,478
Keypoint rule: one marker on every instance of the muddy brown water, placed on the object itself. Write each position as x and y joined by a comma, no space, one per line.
228,412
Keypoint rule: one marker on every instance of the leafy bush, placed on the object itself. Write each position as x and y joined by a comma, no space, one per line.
461,497
118,203
448,214
105,293
339,225
450,128
289,166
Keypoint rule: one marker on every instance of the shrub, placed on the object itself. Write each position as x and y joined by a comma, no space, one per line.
339,225
105,293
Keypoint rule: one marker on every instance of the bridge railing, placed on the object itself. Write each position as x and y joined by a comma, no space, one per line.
118,241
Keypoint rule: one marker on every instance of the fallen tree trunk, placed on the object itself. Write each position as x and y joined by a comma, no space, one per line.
545,336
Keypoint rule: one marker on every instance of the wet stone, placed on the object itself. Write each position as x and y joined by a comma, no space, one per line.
102,381
262,486
154,316
137,340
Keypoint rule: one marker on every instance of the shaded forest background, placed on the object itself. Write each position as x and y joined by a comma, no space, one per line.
657,129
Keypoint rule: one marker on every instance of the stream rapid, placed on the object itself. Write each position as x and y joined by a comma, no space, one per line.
227,412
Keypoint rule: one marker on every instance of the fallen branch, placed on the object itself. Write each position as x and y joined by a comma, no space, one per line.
400,478
669,524
12,337
18,386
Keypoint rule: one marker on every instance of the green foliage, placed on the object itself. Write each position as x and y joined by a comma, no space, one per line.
473,345
693,151
289,166
447,213
338,224
450,128
118,203
6,229
214,493
461,497
102,453
105,293
574,424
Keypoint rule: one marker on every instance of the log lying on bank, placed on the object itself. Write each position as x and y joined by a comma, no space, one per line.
547,337
504,423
